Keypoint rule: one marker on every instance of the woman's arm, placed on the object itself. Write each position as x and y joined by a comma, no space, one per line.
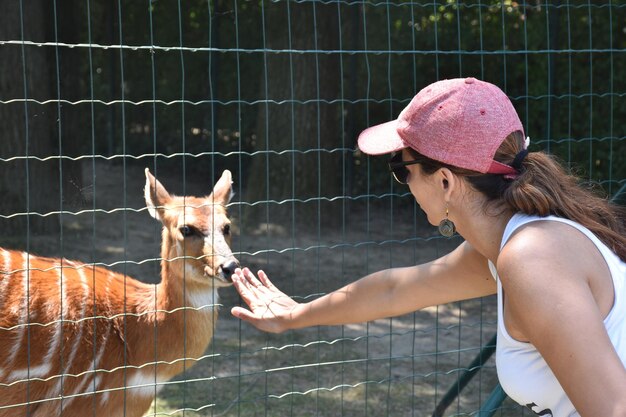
462,274
551,274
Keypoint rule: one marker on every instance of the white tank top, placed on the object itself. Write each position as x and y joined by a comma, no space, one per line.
522,372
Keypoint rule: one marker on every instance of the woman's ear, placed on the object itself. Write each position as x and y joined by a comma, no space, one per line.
449,182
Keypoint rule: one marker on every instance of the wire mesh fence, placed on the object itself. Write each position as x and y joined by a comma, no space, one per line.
92,93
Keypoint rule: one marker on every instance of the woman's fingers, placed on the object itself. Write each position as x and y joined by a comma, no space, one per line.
266,281
240,282
243,314
266,304
261,286
250,278
252,291
245,288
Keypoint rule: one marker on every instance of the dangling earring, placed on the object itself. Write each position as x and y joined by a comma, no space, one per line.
446,227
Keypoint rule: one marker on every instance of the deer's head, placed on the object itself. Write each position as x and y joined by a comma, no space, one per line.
196,231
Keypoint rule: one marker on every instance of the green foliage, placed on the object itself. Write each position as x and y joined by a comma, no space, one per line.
190,75
560,64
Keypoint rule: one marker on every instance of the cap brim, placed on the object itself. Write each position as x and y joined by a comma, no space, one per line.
381,139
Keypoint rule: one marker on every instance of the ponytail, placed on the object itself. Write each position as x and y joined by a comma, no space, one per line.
545,188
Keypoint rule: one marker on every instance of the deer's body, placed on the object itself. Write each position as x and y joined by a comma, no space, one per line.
79,340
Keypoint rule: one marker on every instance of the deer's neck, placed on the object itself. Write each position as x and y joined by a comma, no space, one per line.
179,288
179,314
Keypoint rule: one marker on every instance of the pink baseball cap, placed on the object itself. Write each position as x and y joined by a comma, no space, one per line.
460,122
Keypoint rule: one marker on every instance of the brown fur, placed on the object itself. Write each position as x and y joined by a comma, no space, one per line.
98,343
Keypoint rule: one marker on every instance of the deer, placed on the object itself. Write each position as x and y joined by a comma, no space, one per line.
78,339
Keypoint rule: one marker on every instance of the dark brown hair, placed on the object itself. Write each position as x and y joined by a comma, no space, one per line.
544,188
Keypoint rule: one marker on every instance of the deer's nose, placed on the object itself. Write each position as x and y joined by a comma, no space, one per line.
228,269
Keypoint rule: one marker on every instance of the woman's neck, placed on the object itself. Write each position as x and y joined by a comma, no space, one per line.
484,232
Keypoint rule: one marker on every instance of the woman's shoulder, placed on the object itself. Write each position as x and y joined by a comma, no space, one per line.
521,221
541,233
535,238
546,243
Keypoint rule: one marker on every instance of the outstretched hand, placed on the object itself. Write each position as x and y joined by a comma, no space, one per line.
269,308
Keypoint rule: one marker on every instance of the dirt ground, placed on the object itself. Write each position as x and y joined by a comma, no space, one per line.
398,367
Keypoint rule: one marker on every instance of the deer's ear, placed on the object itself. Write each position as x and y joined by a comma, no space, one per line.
223,190
156,196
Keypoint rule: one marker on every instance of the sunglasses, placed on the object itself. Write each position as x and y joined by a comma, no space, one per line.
398,167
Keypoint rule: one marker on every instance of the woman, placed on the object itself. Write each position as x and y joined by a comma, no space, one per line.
553,252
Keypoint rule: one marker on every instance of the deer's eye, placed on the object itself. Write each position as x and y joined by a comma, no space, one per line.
187,231
226,230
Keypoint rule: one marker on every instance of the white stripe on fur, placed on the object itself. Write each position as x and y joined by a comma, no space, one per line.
79,338
92,382
23,309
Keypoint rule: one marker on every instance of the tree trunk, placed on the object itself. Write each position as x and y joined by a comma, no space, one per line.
27,128
298,121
